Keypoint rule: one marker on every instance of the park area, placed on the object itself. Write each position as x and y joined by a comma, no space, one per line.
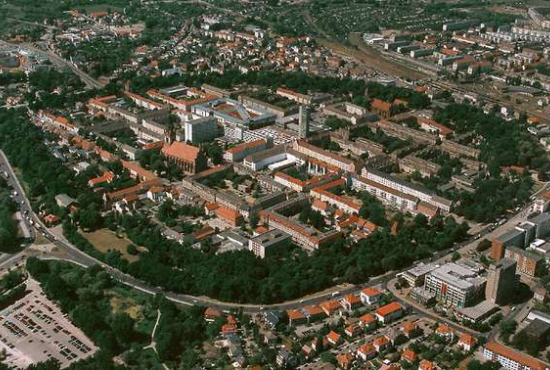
105,240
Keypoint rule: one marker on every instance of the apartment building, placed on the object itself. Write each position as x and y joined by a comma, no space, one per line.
407,188
392,197
455,285
340,162
240,151
345,204
511,359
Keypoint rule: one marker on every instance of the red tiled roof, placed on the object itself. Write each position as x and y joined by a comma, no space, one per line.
371,292
515,356
389,309
182,151
367,318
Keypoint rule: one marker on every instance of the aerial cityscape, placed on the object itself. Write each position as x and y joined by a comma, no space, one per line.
275,184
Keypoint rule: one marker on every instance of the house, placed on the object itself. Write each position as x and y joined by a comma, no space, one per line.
389,312
51,220
366,352
389,367
351,302
156,194
296,317
408,329
330,307
368,321
313,312
308,351
445,331
211,314
210,209
381,343
352,330
426,365
370,296
317,346
409,355
466,342
285,358
334,338
344,360
102,180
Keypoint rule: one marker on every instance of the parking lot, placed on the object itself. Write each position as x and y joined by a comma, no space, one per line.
34,329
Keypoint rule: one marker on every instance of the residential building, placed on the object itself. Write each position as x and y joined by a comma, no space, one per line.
240,151
466,342
340,162
511,359
366,352
351,302
370,296
389,312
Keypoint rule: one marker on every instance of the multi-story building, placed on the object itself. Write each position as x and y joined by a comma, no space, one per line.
239,152
201,130
511,359
342,163
407,188
528,263
388,195
455,285
501,281
262,244
303,121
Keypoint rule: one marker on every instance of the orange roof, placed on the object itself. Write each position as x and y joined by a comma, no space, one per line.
444,330
367,349
344,359
182,151
389,309
314,310
244,146
211,206
408,327
228,214
371,292
427,365
333,336
381,341
212,312
367,318
318,204
295,315
352,299
409,354
331,306
261,230
381,105
515,356
51,218
467,339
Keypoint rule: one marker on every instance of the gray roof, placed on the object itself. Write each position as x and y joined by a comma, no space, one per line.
458,276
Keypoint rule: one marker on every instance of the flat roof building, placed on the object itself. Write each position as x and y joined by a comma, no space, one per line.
455,285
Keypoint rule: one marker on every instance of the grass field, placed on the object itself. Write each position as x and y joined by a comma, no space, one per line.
104,240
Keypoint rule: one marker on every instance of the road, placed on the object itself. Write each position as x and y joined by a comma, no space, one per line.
60,62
